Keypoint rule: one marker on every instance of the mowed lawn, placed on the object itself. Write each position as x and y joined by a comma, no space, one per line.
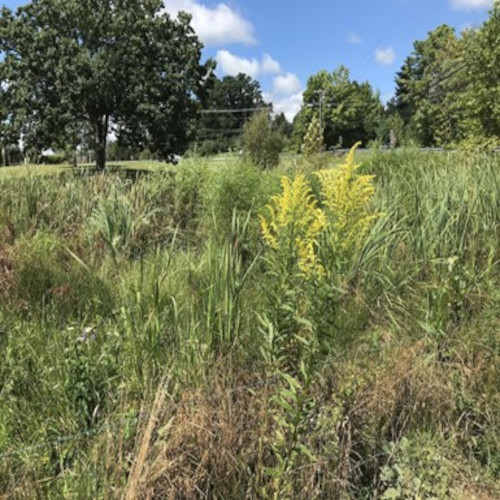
287,161
31,169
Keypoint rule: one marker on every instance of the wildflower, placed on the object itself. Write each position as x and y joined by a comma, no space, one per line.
346,196
295,223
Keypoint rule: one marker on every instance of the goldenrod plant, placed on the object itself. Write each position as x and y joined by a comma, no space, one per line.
294,224
298,225
346,197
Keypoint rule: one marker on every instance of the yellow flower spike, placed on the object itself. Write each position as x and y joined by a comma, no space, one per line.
346,196
295,223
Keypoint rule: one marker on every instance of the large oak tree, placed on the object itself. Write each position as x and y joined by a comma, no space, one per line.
76,67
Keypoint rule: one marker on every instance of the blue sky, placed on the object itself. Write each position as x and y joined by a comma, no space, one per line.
282,42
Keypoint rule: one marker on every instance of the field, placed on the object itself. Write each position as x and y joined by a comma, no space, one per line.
167,335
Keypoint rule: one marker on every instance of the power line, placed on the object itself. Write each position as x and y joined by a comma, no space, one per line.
221,130
413,12
435,83
240,110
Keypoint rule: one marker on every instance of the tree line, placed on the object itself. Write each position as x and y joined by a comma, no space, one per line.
74,72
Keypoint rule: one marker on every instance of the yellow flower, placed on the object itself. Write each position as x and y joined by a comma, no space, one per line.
294,223
346,196
296,226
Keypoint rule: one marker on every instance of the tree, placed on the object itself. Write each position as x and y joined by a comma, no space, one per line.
9,136
349,109
263,141
83,65
282,124
224,118
313,140
483,71
429,88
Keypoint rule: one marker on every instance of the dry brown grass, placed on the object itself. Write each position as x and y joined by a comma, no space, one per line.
217,445
202,446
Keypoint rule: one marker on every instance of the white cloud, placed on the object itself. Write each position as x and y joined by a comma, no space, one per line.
220,25
290,106
354,39
231,64
471,4
270,65
385,56
286,84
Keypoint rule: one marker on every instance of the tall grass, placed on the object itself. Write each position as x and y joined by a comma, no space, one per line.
152,345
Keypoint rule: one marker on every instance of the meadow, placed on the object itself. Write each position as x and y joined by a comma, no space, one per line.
212,330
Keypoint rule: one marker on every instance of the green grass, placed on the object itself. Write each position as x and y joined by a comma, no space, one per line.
148,165
151,344
24,170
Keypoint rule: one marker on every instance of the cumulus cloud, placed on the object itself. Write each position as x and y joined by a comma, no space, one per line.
290,106
270,65
386,56
286,84
231,64
286,95
471,4
219,25
354,39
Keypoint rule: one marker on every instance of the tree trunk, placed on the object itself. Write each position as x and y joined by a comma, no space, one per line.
101,135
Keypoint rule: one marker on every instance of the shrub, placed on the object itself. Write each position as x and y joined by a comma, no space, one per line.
235,187
55,159
313,140
263,143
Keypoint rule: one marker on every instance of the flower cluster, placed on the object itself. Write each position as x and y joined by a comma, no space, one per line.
295,223
346,196
297,226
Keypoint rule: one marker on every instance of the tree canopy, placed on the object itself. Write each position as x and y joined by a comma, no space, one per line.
230,102
482,57
80,67
349,109
427,87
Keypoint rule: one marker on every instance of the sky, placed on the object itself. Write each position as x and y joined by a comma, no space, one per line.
283,42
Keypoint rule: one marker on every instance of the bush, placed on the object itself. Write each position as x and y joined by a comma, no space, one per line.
263,143
238,187
55,159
